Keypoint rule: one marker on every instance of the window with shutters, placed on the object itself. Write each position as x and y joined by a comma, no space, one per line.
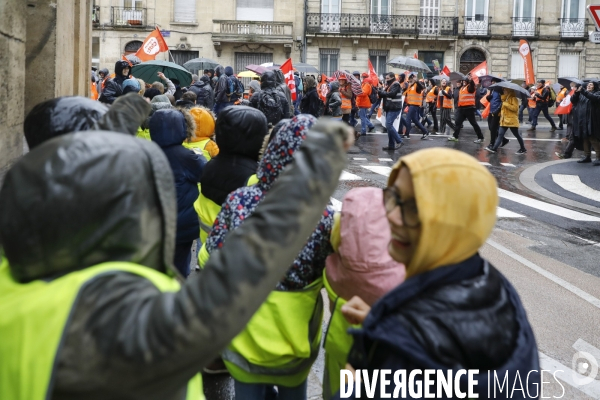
517,66
429,23
380,7
572,23
184,11
476,17
379,60
568,64
328,61
254,10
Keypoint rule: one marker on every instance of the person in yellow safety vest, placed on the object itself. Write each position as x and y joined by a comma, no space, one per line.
414,99
89,306
346,93
445,103
281,341
431,100
562,118
466,109
361,266
240,132
205,131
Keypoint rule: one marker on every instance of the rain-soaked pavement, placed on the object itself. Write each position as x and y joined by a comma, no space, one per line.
569,233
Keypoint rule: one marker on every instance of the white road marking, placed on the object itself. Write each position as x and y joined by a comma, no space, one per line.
504,213
568,376
337,205
359,159
582,345
378,169
485,163
347,176
588,241
508,165
386,159
546,207
573,184
559,281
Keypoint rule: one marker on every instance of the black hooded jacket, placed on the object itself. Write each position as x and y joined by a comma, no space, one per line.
586,113
270,87
205,96
111,197
240,132
114,87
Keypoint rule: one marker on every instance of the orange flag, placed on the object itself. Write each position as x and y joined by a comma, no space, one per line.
373,75
288,72
525,52
416,55
478,71
154,44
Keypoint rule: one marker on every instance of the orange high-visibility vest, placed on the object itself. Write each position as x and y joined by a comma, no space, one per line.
412,97
346,102
540,93
561,95
431,95
466,99
531,103
93,92
443,101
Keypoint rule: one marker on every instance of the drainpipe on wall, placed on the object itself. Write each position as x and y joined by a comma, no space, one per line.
303,54
456,63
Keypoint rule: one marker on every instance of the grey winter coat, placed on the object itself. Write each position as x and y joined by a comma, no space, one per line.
205,96
334,100
125,338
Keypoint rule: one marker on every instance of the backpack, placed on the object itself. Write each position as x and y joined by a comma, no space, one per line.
552,94
271,106
373,95
230,86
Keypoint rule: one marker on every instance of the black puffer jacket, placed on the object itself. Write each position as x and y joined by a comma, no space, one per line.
240,132
221,85
114,87
205,96
270,87
463,316
586,113
391,92
124,339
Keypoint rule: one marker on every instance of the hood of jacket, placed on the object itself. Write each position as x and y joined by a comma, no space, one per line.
124,207
205,81
228,71
205,123
59,116
241,130
361,264
171,127
119,67
279,76
334,86
103,71
456,200
268,80
280,151
254,85
219,71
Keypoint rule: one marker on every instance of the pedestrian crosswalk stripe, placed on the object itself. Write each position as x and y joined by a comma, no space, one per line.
378,169
508,164
347,176
485,163
386,159
546,207
359,159
573,184
504,213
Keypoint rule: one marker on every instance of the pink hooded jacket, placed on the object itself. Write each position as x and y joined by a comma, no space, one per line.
362,265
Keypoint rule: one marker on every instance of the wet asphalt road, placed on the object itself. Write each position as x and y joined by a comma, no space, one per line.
564,244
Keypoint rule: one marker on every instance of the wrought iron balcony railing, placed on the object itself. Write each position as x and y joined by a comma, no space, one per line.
526,27
129,17
258,28
95,15
381,24
478,26
573,28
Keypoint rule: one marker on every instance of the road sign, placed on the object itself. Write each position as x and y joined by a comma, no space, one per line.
595,37
594,11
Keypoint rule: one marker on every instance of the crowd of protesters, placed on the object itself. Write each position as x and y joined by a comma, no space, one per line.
97,230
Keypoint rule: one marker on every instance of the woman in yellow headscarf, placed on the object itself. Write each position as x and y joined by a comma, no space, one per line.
455,310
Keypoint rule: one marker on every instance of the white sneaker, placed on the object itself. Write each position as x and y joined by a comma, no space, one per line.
478,141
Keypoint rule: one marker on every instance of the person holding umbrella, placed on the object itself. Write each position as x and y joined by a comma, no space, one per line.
542,97
466,109
414,99
494,98
346,92
508,119
392,105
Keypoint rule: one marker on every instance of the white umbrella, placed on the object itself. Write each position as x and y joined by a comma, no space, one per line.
409,63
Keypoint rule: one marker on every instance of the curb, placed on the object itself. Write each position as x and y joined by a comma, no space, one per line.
527,178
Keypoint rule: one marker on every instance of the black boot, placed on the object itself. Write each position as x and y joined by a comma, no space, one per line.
584,160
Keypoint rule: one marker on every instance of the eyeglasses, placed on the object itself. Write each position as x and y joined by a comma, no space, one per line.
408,209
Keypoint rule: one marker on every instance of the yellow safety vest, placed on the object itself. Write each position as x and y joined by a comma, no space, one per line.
33,318
198,147
143,134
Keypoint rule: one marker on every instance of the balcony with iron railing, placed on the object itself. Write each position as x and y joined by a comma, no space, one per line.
95,15
573,28
252,31
377,24
526,27
477,26
128,17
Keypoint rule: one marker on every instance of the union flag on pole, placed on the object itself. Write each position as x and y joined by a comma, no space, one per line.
154,44
446,70
565,105
288,72
478,71
373,75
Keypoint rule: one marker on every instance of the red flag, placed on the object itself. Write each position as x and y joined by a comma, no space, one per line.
128,62
288,72
478,71
565,105
373,75
446,70
154,44
416,55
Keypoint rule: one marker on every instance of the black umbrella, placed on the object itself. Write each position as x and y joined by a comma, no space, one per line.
486,80
457,76
200,64
305,68
588,80
133,59
566,81
510,85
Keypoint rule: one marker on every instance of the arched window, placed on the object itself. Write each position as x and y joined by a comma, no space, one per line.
133,46
470,59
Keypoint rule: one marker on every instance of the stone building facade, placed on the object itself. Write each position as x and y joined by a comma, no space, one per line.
45,52
231,32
